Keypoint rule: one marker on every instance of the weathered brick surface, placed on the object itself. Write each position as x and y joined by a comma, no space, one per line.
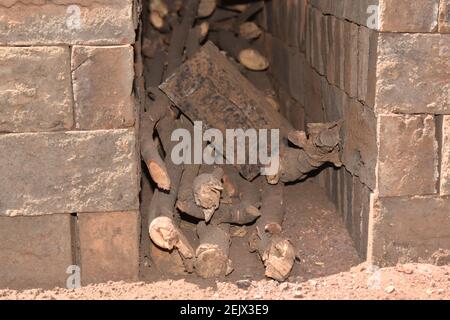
445,156
280,62
296,71
413,73
360,141
351,10
109,246
410,229
35,89
35,252
351,31
317,39
103,84
444,16
409,16
362,73
43,173
408,155
340,54
332,100
388,85
313,97
31,22
331,53
293,16
302,5
360,216
347,200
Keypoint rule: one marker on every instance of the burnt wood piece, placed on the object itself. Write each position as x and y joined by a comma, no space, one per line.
206,8
209,88
185,202
249,31
222,14
250,11
155,69
319,147
156,110
167,262
162,228
207,189
276,252
245,200
212,255
179,36
242,51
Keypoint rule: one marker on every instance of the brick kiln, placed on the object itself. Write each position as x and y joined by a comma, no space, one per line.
358,88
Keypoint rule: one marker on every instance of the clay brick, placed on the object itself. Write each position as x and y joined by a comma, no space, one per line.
316,54
102,85
109,246
302,7
342,197
323,178
351,59
268,9
293,13
340,54
35,252
408,163
337,8
102,22
360,141
42,173
445,156
308,34
357,205
296,115
329,183
413,73
297,66
332,100
347,200
409,16
352,10
331,54
325,43
366,213
280,62
334,190
409,229
35,89
444,16
364,43
313,98
372,73
276,23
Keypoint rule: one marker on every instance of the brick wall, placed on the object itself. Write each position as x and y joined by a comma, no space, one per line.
384,68
69,166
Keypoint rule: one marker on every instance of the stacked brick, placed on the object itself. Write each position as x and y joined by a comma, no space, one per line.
382,66
69,166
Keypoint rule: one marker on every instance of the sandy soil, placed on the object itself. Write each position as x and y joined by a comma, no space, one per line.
328,268
413,281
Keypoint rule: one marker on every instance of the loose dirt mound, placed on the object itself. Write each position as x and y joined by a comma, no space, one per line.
413,281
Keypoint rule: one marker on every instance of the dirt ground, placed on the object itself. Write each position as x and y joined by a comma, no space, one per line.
328,267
